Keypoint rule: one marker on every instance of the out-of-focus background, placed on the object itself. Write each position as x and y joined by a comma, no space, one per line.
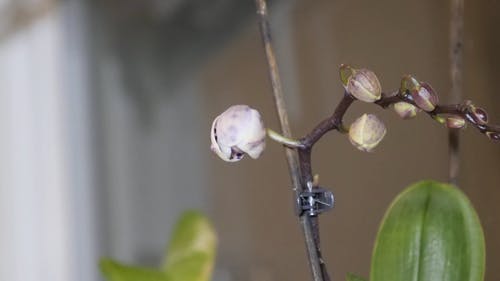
106,106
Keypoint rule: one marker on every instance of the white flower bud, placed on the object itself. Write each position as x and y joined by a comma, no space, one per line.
238,131
366,132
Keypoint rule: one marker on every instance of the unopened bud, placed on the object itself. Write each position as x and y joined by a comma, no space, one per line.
478,115
495,136
366,132
363,84
424,97
455,122
238,131
406,110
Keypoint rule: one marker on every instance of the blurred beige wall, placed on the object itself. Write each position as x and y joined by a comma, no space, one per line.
252,200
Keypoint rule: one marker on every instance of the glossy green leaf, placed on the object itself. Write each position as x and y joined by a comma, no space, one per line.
430,233
114,271
191,253
353,277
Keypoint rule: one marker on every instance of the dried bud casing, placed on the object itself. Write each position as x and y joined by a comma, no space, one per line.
366,132
455,122
424,97
363,84
238,131
406,110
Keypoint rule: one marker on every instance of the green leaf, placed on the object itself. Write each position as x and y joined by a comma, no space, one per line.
353,277
190,256
430,232
114,271
191,253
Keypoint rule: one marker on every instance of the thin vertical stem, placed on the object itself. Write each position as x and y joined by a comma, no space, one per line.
309,226
456,70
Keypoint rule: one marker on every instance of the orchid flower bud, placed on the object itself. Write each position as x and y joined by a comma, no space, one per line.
422,93
363,84
238,131
366,132
406,110
478,115
425,97
455,122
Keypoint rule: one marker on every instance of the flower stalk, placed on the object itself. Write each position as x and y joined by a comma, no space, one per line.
412,97
288,142
299,177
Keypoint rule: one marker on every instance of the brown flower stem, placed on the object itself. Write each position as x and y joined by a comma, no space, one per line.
331,123
456,70
306,170
310,225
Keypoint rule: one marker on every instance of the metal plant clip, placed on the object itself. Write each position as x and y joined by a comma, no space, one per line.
314,201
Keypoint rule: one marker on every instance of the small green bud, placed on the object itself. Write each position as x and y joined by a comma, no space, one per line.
424,97
406,110
455,122
366,132
363,84
439,119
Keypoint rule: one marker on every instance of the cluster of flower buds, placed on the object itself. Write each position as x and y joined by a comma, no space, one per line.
421,93
362,83
238,131
451,121
366,132
479,116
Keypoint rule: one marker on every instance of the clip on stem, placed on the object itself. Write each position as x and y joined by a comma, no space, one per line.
314,201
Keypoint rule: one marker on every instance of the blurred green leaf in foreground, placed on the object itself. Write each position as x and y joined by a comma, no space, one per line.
189,257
